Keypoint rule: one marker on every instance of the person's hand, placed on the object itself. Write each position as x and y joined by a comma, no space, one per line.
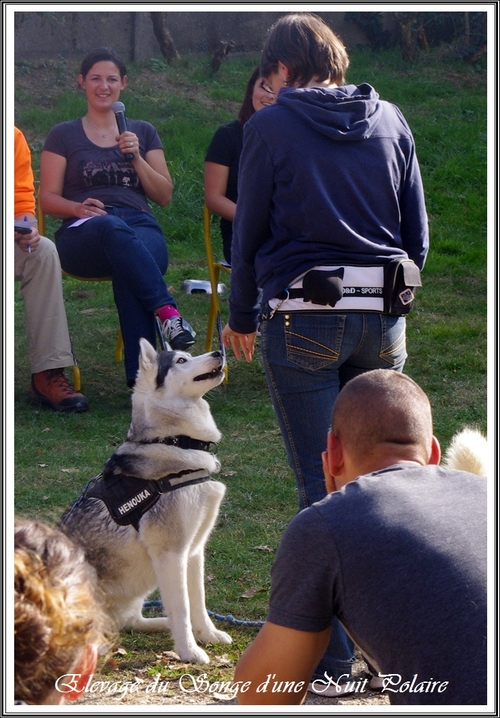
128,142
27,242
239,343
91,208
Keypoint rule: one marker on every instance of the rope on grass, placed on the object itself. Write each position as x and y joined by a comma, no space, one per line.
229,618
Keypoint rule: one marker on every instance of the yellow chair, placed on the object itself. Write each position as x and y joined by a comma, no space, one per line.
214,270
119,340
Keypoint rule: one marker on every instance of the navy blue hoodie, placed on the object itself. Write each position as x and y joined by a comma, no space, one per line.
327,176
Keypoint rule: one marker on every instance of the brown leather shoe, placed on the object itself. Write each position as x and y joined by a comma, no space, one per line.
52,388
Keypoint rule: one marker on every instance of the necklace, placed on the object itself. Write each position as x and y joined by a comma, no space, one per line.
96,128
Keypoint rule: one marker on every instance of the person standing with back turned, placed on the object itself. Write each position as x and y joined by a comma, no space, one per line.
331,227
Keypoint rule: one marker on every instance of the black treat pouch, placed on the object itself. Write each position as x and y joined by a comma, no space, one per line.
401,277
323,287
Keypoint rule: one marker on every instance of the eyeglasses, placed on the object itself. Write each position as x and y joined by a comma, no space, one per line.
264,86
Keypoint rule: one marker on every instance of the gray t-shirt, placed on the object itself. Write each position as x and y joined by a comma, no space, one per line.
399,556
101,172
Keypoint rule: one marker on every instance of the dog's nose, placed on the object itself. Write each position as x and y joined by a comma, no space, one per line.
217,354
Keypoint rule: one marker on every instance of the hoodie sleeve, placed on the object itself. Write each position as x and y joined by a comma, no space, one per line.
250,229
414,222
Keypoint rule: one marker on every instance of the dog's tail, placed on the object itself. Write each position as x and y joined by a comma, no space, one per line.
468,451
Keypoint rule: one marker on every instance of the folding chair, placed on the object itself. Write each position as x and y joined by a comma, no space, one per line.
214,270
119,340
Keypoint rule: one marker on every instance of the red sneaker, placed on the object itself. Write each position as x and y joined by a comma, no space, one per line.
52,388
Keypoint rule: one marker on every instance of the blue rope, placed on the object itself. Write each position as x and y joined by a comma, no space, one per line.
228,618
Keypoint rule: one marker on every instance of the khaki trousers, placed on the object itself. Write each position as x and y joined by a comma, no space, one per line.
49,345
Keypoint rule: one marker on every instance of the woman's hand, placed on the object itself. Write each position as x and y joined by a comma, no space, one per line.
237,341
128,142
91,208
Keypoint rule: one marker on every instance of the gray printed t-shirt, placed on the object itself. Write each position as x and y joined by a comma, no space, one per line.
101,172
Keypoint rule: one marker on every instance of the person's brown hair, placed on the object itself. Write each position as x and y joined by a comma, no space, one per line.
307,47
57,614
382,407
102,54
247,109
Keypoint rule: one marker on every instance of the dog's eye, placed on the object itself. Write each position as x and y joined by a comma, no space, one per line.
181,360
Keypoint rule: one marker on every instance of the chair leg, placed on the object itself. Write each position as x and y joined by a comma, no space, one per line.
77,382
163,343
119,347
214,309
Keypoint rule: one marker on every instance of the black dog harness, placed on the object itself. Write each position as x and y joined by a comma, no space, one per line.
128,498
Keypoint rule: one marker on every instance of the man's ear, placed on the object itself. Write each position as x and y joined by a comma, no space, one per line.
335,454
333,463
435,457
84,670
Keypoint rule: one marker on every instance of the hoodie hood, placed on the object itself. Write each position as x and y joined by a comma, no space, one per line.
344,113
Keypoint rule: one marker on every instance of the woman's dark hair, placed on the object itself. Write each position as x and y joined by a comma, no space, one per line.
102,54
307,47
247,109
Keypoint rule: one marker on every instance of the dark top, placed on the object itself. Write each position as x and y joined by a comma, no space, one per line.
225,149
327,177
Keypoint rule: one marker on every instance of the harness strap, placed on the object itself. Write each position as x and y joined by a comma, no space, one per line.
128,498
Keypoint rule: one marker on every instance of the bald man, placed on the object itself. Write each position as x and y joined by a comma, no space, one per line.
397,551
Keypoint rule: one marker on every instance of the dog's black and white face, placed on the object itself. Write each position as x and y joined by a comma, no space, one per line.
178,374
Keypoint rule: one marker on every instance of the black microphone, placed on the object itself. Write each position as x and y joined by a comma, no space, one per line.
119,110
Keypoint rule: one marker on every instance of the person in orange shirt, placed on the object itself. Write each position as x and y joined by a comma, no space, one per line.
38,270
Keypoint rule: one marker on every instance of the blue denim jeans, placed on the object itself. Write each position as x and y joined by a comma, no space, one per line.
128,245
307,358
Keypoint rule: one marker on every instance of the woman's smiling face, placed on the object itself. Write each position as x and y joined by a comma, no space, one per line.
262,95
103,84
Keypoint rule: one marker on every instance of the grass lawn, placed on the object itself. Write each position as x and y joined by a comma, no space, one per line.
444,102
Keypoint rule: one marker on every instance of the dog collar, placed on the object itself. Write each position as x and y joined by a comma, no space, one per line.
184,442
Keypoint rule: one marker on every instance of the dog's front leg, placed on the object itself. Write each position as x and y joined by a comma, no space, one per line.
171,572
203,627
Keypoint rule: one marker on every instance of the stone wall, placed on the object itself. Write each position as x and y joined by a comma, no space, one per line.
50,35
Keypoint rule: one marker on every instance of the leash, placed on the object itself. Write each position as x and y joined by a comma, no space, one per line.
229,618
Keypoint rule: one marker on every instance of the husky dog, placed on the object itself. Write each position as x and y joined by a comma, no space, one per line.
144,521
468,451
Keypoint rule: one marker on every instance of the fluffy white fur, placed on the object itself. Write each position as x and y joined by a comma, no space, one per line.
468,451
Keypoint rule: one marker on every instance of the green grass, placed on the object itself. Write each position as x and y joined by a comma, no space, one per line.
55,455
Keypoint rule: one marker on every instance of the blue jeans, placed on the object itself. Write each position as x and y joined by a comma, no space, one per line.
128,245
307,358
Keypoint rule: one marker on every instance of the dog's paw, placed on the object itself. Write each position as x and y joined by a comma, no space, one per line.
214,636
223,637
193,654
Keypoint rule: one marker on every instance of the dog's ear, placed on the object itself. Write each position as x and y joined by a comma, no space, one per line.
147,357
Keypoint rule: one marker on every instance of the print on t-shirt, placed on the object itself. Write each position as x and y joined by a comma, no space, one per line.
105,173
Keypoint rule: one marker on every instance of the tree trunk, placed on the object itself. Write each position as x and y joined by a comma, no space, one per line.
406,22
162,34
467,29
220,54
